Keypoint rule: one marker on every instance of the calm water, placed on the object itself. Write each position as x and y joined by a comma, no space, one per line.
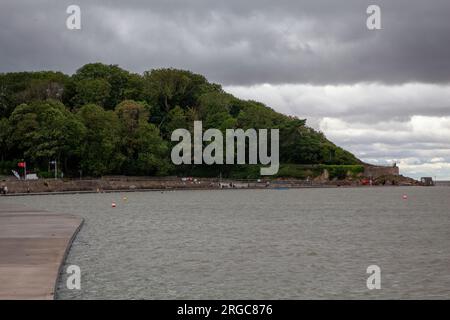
259,244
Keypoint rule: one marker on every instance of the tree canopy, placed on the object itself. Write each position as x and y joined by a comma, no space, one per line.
105,120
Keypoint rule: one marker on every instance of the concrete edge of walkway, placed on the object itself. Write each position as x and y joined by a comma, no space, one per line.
66,253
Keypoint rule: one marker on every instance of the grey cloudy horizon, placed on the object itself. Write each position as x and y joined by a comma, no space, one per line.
384,94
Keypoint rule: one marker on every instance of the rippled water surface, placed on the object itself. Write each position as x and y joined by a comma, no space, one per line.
259,244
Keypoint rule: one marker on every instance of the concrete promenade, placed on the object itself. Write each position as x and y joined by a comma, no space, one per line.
33,246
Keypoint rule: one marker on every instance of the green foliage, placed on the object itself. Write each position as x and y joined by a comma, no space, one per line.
99,150
131,113
46,130
151,152
106,120
5,131
256,115
145,150
94,91
106,85
342,171
296,171
7,166
303,145
42,174
176,119
214,108
167,88
23,87
245,172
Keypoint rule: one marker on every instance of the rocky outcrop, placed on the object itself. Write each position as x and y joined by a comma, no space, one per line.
395,180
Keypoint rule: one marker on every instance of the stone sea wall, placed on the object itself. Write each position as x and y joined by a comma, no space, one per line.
378,171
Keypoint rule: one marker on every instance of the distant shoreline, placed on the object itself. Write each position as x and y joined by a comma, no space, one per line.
133,184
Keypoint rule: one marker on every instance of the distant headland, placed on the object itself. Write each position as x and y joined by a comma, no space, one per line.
104,120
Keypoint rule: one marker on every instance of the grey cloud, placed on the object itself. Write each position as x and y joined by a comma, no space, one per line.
235,42
374,104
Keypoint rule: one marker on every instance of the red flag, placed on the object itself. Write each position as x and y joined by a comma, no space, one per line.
21,164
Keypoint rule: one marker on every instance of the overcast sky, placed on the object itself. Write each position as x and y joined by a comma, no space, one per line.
384,94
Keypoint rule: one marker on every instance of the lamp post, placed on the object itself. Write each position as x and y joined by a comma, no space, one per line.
55,163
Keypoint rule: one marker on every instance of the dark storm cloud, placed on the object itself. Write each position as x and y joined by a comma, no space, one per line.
236,42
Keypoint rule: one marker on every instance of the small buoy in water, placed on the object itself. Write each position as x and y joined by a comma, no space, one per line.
113,204
125,199
405,197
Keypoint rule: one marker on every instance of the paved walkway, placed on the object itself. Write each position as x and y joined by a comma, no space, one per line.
33,246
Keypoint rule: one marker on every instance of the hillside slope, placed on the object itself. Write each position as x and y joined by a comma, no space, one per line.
106,120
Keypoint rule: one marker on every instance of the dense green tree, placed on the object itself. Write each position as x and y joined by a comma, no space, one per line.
4,138
112,83
95,91
100,148
23,87
132,91
46,130
176,119
168,88
256,115
215,110
106,120
131,113
145,150
151,153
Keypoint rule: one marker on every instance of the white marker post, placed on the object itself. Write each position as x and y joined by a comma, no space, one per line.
54,162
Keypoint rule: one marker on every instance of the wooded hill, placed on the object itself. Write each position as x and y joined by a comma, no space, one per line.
105,120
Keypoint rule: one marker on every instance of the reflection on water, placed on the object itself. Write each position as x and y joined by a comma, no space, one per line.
259,244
